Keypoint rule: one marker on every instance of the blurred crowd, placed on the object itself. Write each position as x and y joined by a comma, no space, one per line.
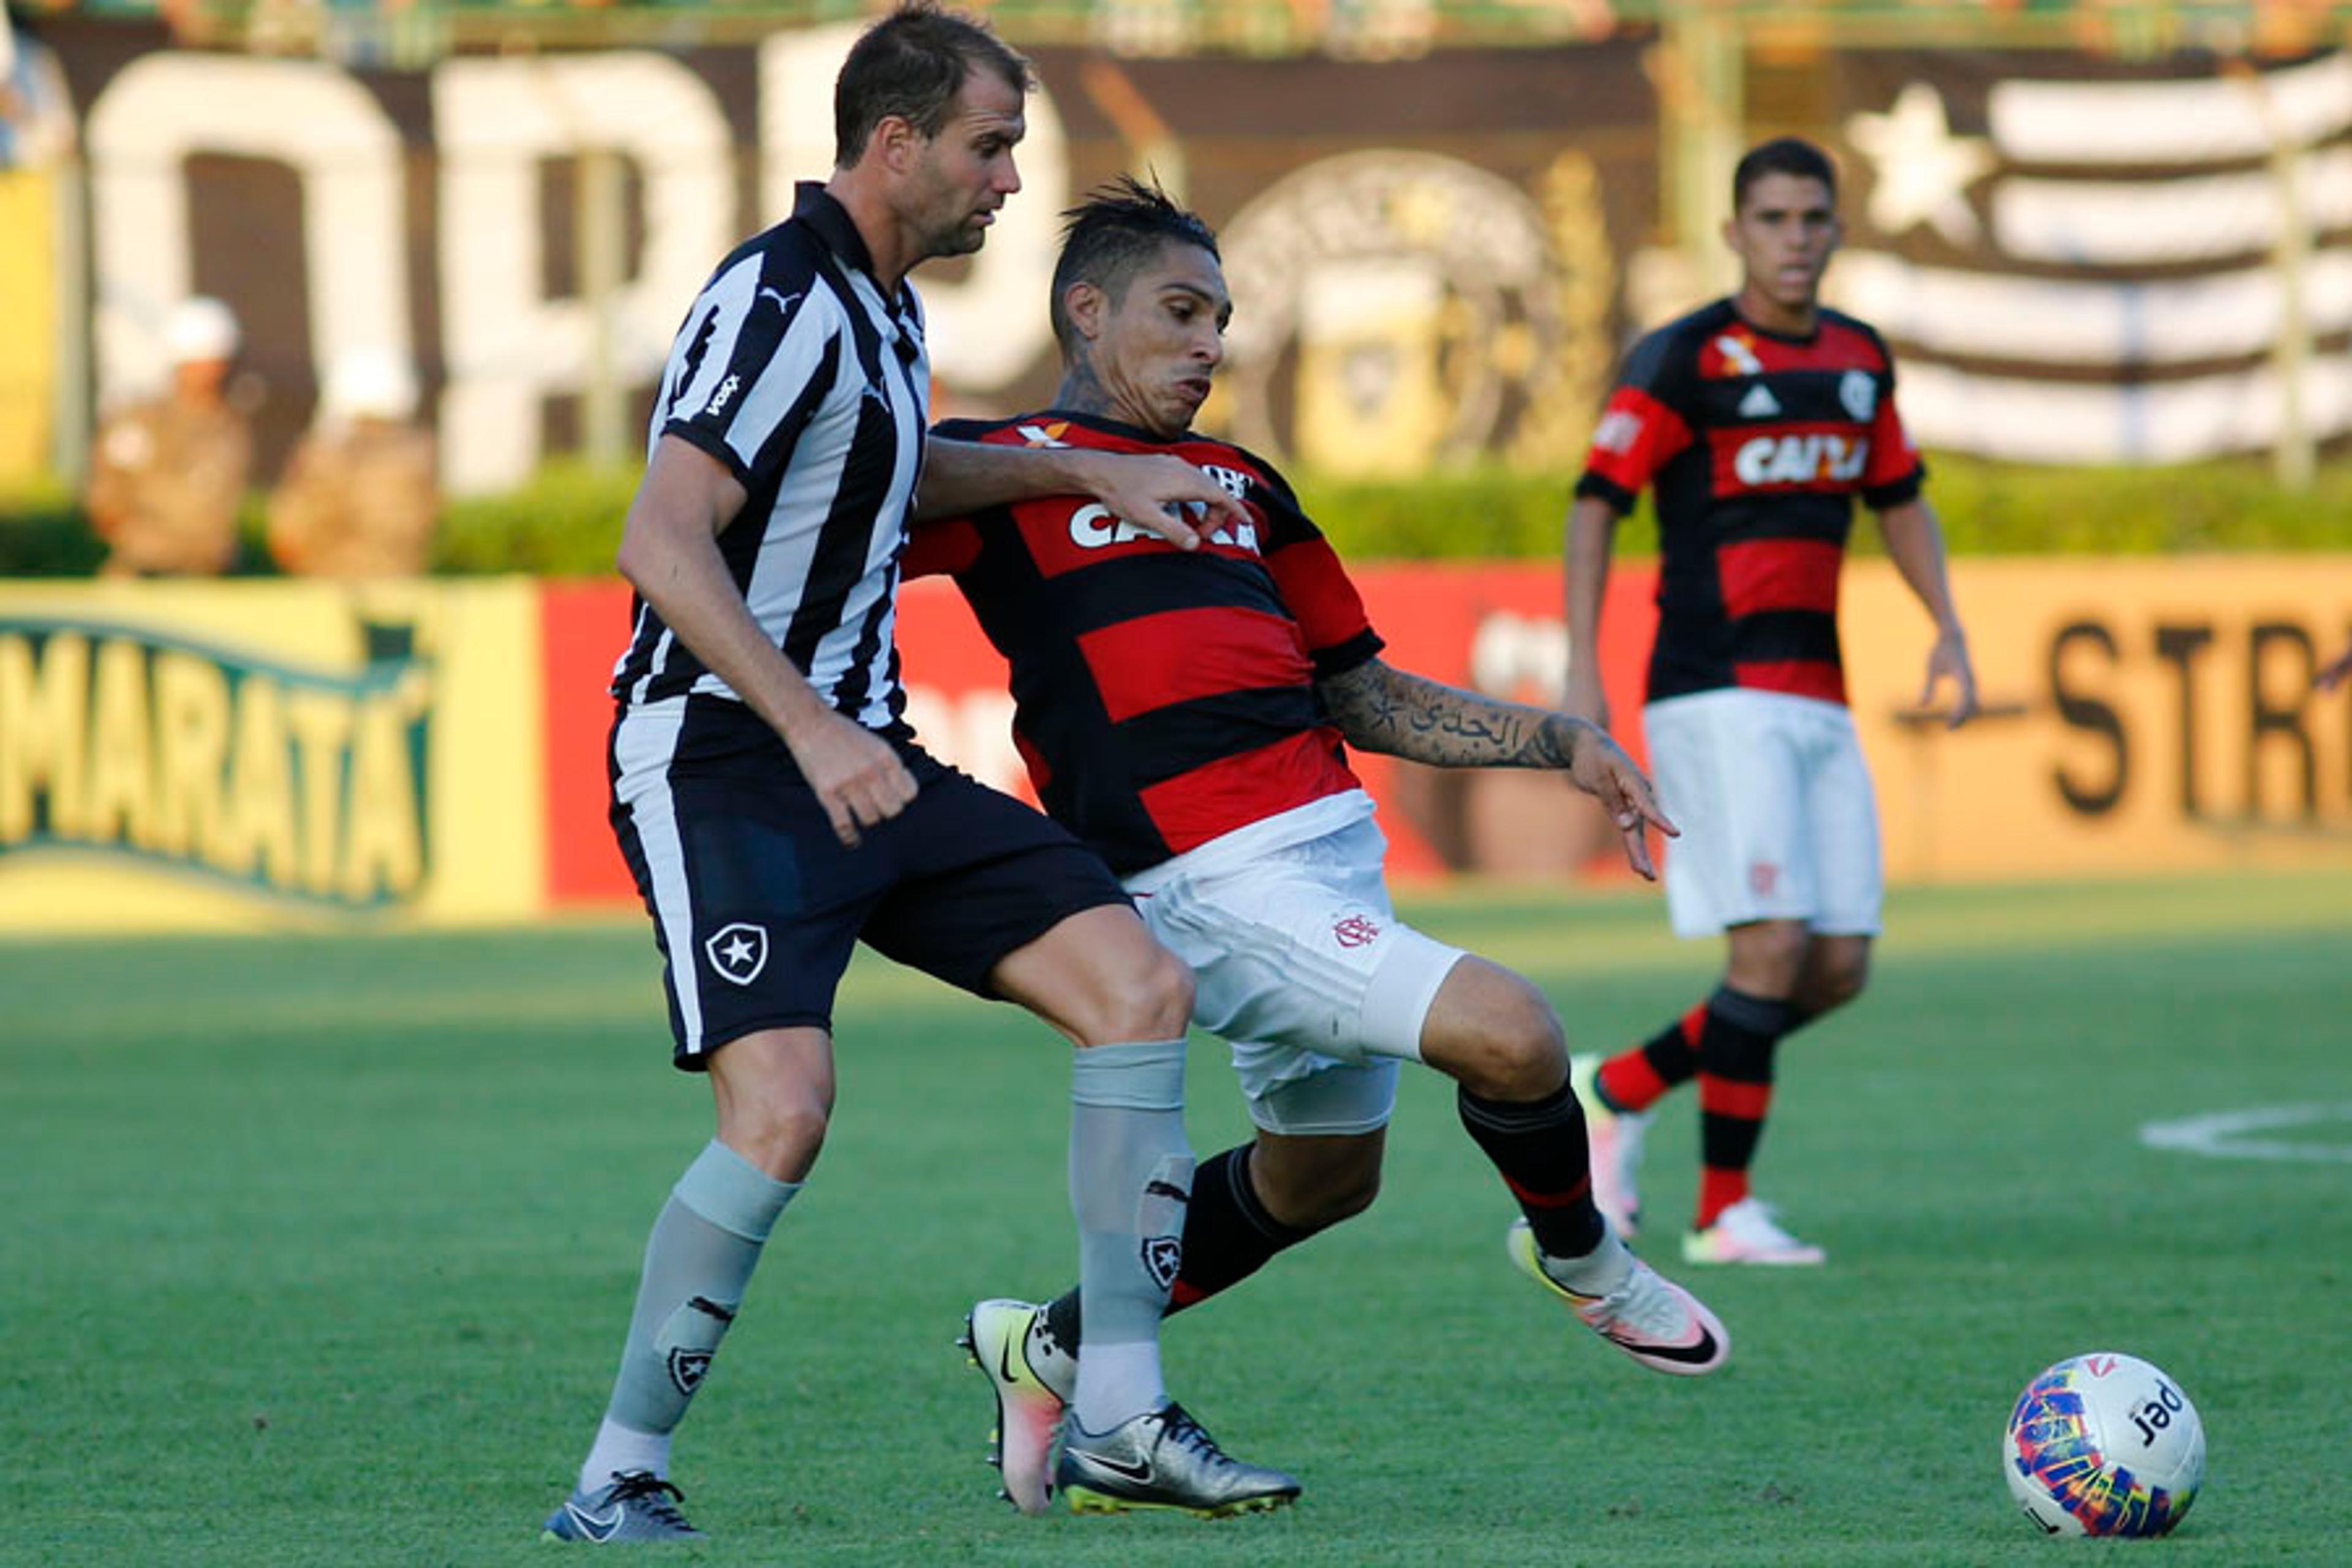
168,475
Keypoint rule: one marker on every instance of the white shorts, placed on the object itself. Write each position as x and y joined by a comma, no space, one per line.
1300,963
1774,802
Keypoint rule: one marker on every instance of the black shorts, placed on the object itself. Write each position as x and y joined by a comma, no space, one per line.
756,903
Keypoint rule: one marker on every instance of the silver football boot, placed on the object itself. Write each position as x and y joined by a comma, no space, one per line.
1163,1459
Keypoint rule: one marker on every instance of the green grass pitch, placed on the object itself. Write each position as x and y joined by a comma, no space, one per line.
317,1251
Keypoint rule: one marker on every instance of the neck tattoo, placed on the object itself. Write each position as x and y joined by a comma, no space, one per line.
1082,391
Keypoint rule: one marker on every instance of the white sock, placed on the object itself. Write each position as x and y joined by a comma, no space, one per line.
1124,1380
619,1449
1598,1272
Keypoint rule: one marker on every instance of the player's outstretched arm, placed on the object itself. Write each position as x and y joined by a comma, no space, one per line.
669,551
1382,709
1915,543
1379,708
1157,490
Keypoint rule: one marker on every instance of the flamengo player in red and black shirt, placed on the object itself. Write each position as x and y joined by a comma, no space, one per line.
1162,701
1757,420
1187,715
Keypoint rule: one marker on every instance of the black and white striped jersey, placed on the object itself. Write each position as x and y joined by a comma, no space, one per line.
795,371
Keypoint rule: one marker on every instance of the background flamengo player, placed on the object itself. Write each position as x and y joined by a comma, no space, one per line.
1756,419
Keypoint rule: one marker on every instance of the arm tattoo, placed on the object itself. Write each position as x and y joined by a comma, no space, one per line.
1378,709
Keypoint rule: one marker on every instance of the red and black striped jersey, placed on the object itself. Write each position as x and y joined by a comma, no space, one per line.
1756,445
1161,698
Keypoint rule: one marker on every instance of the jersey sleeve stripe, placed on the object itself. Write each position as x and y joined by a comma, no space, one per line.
1318,591
714,322
760,366
1880,497
1637,435
1894,460
1600,487
1341,657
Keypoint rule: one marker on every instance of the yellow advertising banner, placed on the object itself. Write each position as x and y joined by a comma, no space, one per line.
265,754
2142,716
28,302
241,755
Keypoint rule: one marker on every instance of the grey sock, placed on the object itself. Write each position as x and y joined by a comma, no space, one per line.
1130,1178
698,1259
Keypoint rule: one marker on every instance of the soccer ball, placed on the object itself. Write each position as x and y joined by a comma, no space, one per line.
2104,1443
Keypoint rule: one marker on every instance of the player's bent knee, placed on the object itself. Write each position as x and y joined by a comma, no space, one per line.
781,1139
1841,987
1495,1033
1837,973
773,1094
1165,1002
1102,979
1770,958
1524,1055
1530,1059
1149,998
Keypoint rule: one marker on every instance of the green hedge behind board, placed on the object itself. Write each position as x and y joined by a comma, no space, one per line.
567,519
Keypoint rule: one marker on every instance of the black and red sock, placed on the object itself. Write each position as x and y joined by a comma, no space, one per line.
1228,1237
1635,1080
1735,1091
1540,1148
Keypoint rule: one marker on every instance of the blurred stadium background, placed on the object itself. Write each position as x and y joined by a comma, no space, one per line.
2112,244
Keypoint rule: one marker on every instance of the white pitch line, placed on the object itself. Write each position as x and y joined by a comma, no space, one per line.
2220,1136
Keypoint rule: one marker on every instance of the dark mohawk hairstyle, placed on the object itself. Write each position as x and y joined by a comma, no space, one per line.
1114,234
